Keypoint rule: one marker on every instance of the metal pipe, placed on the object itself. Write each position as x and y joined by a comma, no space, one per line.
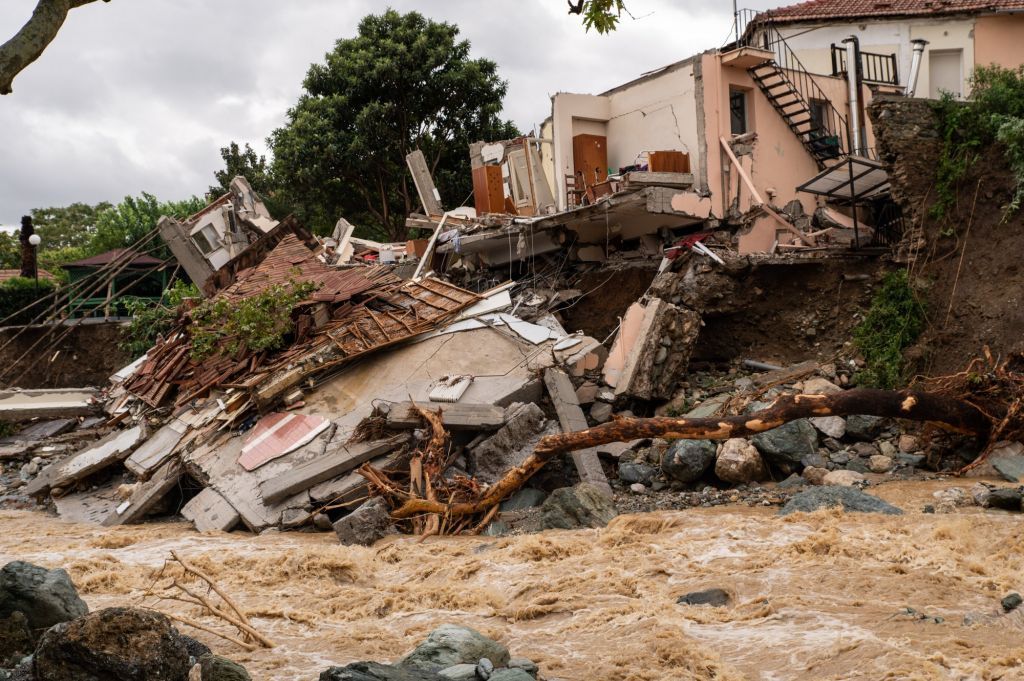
736,21
852,70
915,65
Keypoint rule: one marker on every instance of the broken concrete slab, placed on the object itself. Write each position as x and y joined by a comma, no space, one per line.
92,505
571,418
146,495
152,453
455,416
42,430
1008,460
349,488
336,460
108,451
209,511
25,405
510,446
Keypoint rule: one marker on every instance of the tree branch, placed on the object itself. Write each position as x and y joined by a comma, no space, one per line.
950,413
28,44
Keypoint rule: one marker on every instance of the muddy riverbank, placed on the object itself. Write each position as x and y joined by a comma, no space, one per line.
820,596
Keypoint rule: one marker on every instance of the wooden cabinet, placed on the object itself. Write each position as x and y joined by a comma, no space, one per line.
669,162
590,159
488,190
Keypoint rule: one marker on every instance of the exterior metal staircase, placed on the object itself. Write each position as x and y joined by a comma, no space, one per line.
794,94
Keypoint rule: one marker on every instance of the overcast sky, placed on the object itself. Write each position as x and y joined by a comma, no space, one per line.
139,95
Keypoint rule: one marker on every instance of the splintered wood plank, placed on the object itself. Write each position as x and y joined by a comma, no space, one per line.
454,415
210,511
330,465
152,453
571,419
110,450
147,495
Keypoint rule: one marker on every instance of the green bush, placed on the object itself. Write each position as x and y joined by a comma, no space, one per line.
993,114
260,322
894,321
18,293
150,320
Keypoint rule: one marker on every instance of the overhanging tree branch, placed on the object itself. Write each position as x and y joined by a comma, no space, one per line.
28,44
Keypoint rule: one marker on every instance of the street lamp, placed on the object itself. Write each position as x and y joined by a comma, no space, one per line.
35,240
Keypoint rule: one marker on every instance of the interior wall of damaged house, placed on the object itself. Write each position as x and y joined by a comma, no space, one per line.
629,340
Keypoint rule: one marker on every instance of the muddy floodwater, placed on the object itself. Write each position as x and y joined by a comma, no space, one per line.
820,596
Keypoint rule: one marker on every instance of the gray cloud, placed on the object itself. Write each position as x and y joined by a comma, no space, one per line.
140,95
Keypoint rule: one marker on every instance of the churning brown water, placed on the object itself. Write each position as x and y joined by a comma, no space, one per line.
819,596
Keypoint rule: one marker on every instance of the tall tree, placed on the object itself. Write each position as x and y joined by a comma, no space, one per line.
67,226
404,82
124,224
28,43
244,162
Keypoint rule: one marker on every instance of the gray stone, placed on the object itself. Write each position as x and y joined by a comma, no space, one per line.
484,669
864,450
820,386
739,462
851,499
841,458
366,525
788,445
510,445
374,671
196,649
46,597
528,666
449,645
815,476
1005,498
511,675
569,508
843,478
865,428
713,597
817,460
631,472
527,497
638,488
880,463
601,412
887,448
858,465
116,644
832,426
216,668
1011,602
1010,467
794,480
914,460
460,672
688,460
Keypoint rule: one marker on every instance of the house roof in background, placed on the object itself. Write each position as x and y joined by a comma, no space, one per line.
110,256
818,10
14,274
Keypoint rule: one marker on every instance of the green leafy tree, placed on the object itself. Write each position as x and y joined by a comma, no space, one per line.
67,226
404,82
126,223
601,15
244,162
10,251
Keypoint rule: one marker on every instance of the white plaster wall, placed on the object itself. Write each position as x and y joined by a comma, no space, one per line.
812,43
567,110
655,115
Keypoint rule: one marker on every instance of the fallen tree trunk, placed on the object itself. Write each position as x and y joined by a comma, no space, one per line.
950,413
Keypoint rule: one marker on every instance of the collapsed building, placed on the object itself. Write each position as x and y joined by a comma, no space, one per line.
713,208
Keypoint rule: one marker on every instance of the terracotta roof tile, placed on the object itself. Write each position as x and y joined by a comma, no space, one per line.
855,9
110,256
14,274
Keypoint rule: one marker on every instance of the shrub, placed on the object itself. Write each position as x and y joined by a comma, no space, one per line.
894,321
150,320
18,293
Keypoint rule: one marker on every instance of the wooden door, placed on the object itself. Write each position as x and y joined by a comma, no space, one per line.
590,159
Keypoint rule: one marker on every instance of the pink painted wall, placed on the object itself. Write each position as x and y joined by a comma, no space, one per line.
999,39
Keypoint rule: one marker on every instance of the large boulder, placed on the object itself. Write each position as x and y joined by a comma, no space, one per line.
510,675
450,644
568,508
373,671
739,462
688,460
851,499
116,644
789,446
46,597
510,445
216,668
365,525
864,428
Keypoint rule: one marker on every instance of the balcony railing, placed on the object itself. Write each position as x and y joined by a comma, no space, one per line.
876,69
